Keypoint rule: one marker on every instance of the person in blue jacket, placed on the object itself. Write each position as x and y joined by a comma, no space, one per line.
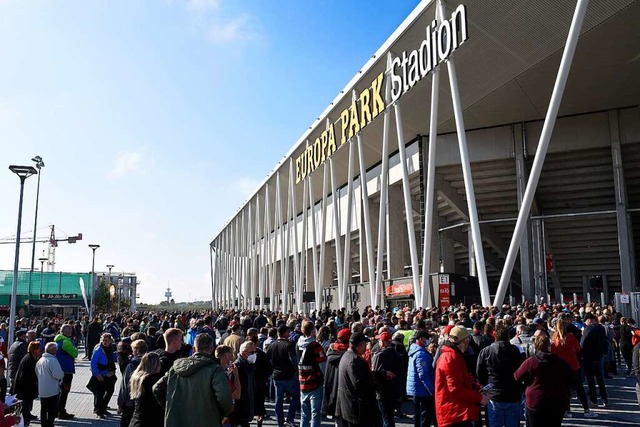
103,370
421,380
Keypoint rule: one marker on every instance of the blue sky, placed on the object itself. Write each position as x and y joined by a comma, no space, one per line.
156,119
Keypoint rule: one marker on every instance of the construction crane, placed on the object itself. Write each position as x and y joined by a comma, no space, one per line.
53,244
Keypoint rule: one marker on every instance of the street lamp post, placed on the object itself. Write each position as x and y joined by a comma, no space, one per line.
39,166
93,280
110,266
23,173
42,260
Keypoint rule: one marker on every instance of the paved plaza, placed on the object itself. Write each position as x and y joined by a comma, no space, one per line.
622,411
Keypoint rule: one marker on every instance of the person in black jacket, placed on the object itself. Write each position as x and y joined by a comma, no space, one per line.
26,381
594,345
356,399
125,403
389,364
397,340
626,346
94,333
334,355
283,358
496,365
262,373
244,407
147,411
17,351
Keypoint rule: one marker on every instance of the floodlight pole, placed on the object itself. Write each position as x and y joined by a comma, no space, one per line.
23,173
39,166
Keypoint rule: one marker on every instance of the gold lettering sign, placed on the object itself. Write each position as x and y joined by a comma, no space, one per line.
360,113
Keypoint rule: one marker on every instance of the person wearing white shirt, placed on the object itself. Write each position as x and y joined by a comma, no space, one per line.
49,375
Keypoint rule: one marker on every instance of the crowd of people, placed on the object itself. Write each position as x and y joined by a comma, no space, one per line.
477,366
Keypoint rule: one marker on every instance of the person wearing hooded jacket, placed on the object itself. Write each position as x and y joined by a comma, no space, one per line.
547,378
244,407
421,380
195,392
66,355
334,355
457,398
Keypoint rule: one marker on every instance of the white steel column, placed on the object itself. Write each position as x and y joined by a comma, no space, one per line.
213,282
255,267
294,224
429,199
272,253
303,252
335,200
266,243
280,225
314,245
466,172
364,195
384,188
543,145
287,252
323,226
408,205
225,277
242,256
347,236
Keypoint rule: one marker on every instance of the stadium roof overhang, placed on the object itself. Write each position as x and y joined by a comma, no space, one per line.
506,71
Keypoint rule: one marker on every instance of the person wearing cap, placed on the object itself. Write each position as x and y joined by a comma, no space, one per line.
421,380
356,399
457,400
282,354
495,368
388,363
334,355
17,351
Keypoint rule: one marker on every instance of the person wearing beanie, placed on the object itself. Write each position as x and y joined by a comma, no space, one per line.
334,355
456,399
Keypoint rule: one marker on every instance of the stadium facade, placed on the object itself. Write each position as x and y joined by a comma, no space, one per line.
487,150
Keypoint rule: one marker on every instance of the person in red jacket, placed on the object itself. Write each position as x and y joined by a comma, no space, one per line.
458,399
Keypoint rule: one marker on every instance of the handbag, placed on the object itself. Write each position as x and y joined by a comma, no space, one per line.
93,385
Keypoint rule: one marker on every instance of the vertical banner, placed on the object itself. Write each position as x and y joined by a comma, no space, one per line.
84,293
445,290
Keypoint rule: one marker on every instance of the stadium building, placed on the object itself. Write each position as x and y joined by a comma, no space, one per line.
489,150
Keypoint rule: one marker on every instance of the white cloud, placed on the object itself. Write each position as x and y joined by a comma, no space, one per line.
126,162
237,29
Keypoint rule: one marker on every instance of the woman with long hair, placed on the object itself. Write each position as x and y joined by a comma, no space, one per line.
547,379
323,337
147,412
566,347
26,382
